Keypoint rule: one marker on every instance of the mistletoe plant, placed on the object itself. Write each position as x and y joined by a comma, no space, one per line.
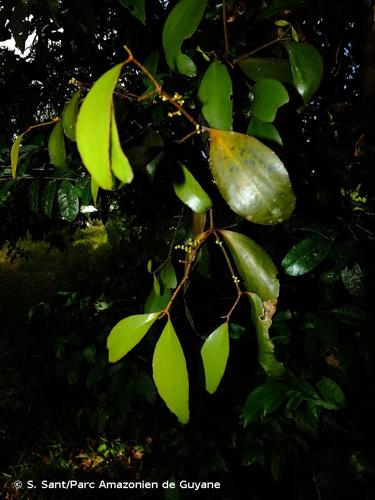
248,174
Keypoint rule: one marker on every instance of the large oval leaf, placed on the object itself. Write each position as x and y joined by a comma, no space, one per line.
170,373
307,68
56,146
215,95
306,255
254,265
191,193
180,24
257,69
68,201
93,132
128,333
269,96
119,163
69,117
250,177
263,130
215,353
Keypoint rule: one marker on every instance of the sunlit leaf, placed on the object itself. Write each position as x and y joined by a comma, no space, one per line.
181,23
128,333
254,265
215,94
261,317
215,353
56,146
33,195
119,163
269,96
48,197
262,130
250,177
170,373
69,117
306,255
93,131
191,193
136,7
94,190
14,153
259,68
307,68
68,201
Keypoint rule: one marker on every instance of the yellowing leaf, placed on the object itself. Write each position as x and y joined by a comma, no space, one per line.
250,177
69,116
181,23
215,353
215,95
94,190
170,373
128,333
191,193
119,163
56,146
14,153
93,132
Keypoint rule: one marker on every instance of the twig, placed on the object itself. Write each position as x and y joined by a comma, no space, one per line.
226,44
264,46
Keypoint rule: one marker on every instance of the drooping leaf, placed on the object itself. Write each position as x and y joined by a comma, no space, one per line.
263,400
56,146
68,201
307,68
332,393
181,23
136,7
261,318
33,195
119,163
170,373
258,69
93,131
191,193
168,276
14,153
215,93
250,177
48,197
215,353
127,333
155,303
94,190
262,130
306,255
254,265
269,96
69,117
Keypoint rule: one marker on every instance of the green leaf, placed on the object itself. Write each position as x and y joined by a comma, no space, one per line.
4,190
136,7
69,117
332,393
156,286
261,318
250,177
168,276
254,265
68,201
181,23
263,400
56,146
307,68
155,303
14,153
33,195
265,131
119,162
269,96
353,316
93,131
276,6
259,68
48,197
128,333
170,373
215,353
215,94
94,190
191,193
306,255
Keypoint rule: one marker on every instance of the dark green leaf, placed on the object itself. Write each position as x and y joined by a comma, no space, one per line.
258,69
69,117
56,146
265,131
263,400
168,276
215,353
332,393
4,190
269,96
250,177
68,201
351,315
215,94
136,7
277,6
155,303
191,193
48,197
306,255
170,373
33,195
307,68
181,23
